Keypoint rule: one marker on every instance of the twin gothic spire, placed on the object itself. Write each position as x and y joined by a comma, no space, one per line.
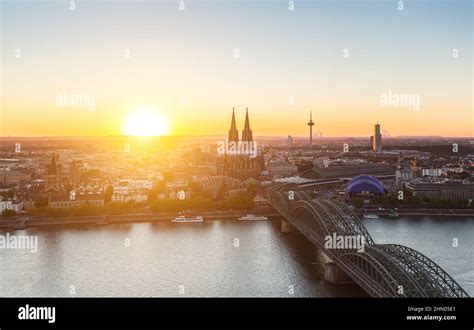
246,133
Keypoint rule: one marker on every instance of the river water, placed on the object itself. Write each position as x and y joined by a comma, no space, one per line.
216,258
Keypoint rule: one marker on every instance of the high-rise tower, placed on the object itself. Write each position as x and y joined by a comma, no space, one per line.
311,124
247,132
377,140
233,132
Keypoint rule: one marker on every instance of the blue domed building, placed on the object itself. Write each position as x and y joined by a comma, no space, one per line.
365,185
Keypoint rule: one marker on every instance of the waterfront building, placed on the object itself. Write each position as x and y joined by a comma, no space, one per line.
177,189
443,189
125,196
260,202
79,200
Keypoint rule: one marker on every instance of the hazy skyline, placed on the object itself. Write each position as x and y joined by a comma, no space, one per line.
182,65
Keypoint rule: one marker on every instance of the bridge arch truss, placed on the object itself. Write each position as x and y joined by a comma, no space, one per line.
382,270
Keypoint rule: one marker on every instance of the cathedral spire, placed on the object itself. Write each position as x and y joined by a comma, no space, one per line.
233,132
247,132
53,169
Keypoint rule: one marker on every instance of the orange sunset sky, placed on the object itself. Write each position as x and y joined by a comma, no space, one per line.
187,69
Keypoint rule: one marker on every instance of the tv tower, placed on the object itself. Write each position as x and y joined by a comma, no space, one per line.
310,124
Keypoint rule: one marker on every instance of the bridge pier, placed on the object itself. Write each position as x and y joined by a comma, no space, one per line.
332,273
286,227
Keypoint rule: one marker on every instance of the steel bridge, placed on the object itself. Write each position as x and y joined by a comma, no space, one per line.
382,270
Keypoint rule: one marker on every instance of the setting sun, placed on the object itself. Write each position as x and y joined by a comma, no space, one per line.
146,123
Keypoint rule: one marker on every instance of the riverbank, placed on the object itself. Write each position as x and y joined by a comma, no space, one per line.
102,220
419,212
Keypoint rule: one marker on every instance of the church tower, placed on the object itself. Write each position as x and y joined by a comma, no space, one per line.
53,183
247,132
233,132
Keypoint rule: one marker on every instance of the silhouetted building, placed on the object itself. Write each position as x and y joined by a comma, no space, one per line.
241,159
376,139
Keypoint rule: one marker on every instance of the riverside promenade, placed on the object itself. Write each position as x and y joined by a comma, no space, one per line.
105,219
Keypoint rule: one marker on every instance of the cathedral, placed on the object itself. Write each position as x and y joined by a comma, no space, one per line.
247,162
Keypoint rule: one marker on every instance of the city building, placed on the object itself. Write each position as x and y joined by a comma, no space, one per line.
403,175
11,177
215,186
74,174
281,168
79,200
453,168
125,196
177,189
348,171
289,141
260,202
442,189
321,162
434,172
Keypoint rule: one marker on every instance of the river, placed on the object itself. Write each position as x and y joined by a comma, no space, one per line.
221,258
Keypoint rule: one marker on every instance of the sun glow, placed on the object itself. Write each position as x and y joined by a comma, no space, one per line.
146,123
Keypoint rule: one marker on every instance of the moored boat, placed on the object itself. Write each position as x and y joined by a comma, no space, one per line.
253,217
183,218
370,216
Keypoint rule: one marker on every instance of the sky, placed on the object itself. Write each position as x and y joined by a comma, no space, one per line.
338,59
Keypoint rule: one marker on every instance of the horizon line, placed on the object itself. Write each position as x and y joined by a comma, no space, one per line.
224,134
